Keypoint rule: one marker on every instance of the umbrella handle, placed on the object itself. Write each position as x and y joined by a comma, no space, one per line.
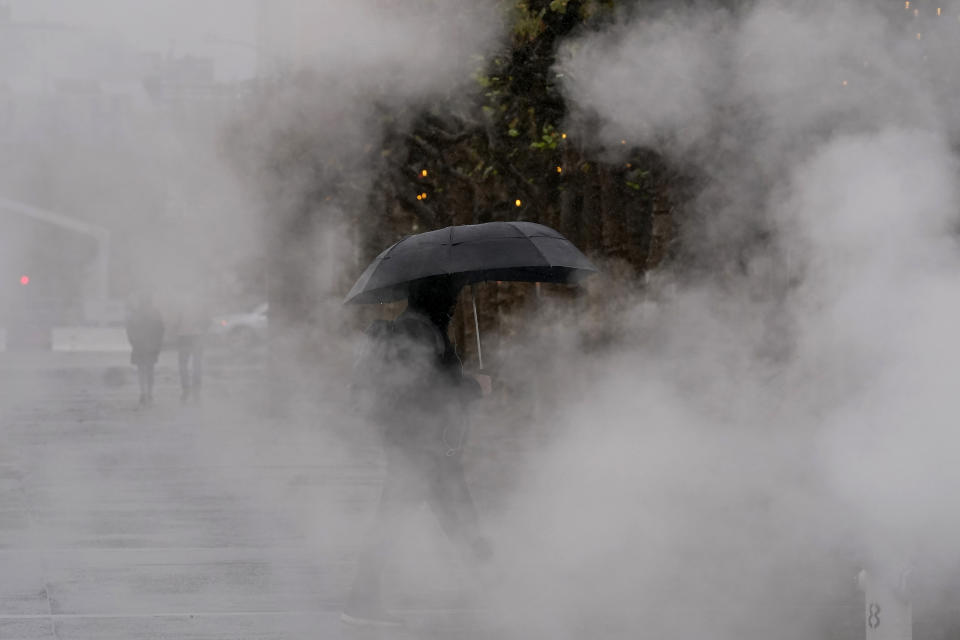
476,324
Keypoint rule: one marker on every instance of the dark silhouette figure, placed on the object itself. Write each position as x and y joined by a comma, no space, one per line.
419,401
144,325
192,325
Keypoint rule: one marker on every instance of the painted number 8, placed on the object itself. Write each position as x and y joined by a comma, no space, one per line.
873,620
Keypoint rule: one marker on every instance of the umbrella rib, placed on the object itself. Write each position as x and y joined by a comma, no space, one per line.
532,243
449,249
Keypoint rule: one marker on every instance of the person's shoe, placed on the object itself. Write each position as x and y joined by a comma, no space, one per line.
369,617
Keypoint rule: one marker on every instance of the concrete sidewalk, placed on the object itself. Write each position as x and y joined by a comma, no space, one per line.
179,522
80,339
213,522
101,339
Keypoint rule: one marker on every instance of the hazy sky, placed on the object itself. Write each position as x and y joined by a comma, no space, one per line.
197,27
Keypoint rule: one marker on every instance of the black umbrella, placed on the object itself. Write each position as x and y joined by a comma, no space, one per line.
508,251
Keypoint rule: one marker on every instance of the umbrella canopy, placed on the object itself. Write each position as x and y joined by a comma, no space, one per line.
511,251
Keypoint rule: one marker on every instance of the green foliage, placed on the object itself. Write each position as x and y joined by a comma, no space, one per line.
549,140
512,145
527,23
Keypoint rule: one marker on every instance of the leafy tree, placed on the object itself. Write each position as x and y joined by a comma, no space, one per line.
501,153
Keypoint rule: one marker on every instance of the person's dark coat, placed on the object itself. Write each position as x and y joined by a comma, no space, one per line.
145,333
409,382
426,409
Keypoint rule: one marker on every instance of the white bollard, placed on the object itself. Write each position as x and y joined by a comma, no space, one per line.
888,614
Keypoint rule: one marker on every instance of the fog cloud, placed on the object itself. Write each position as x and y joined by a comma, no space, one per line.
784,417
765,426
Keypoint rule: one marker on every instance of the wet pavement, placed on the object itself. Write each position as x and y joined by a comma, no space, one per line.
183,521
219,521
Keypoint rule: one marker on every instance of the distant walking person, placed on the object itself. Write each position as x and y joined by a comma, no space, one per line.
145,332
418,396
192,325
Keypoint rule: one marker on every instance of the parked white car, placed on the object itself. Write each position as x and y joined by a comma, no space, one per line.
240,329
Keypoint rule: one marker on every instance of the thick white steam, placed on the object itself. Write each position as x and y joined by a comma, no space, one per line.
787,420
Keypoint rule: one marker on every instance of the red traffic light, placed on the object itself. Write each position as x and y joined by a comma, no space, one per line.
24,280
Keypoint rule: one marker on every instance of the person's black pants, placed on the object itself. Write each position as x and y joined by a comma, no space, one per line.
190,348
145,378
412,478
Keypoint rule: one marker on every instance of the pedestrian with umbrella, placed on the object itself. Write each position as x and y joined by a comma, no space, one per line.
418,394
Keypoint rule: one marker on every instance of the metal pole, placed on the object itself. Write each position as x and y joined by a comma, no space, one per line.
476,324
103,276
